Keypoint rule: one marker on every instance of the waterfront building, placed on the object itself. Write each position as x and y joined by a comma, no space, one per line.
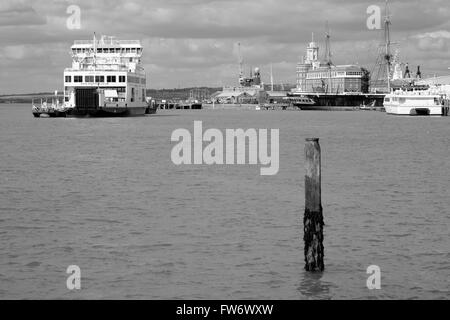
316,76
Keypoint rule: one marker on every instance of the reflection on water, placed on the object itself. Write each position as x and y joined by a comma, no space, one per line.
313,287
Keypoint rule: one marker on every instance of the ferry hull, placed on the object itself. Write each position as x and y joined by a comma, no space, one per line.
415,111
108,112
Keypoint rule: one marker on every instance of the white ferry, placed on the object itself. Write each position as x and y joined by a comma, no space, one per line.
432,102
106,79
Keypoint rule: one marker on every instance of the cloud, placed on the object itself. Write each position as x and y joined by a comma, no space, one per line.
437,41
15,13
193,42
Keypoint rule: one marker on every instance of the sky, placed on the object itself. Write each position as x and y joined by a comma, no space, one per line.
191,43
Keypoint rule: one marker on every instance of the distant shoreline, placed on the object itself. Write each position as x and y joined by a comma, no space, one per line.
160,94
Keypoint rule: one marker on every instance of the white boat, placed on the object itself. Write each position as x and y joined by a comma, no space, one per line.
432,102
52,110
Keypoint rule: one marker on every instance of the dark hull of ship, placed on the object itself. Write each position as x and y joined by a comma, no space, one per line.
109,112
327,102
87,105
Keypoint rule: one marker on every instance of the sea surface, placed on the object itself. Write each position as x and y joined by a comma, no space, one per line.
103,194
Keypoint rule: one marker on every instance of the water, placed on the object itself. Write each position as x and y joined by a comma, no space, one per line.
103,194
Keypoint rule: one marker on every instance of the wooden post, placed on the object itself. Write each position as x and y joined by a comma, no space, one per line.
313,218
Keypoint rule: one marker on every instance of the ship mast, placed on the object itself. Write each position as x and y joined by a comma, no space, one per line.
328,55
271,76
387,40
241,61
328,46
95,53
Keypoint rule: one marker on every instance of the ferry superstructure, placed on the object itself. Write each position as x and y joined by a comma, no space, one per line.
106,78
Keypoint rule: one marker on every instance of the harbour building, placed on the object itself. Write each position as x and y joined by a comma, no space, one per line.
322,76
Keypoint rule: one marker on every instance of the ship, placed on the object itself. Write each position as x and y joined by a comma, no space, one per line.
106,79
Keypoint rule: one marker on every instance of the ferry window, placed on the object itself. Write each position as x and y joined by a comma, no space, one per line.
77,78
111,79
143,95
99,78
128,50
132,94
68,78
121,78
89,78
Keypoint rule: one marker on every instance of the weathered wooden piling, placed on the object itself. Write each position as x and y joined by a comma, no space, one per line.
313,217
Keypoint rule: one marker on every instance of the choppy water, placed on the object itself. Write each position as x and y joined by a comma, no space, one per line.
103,194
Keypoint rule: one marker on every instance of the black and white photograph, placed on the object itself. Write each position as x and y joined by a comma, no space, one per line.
235,152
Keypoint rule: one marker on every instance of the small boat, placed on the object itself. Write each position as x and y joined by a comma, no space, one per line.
44,110
301,101
370,106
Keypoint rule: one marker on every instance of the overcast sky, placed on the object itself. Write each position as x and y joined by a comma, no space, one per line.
193,42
